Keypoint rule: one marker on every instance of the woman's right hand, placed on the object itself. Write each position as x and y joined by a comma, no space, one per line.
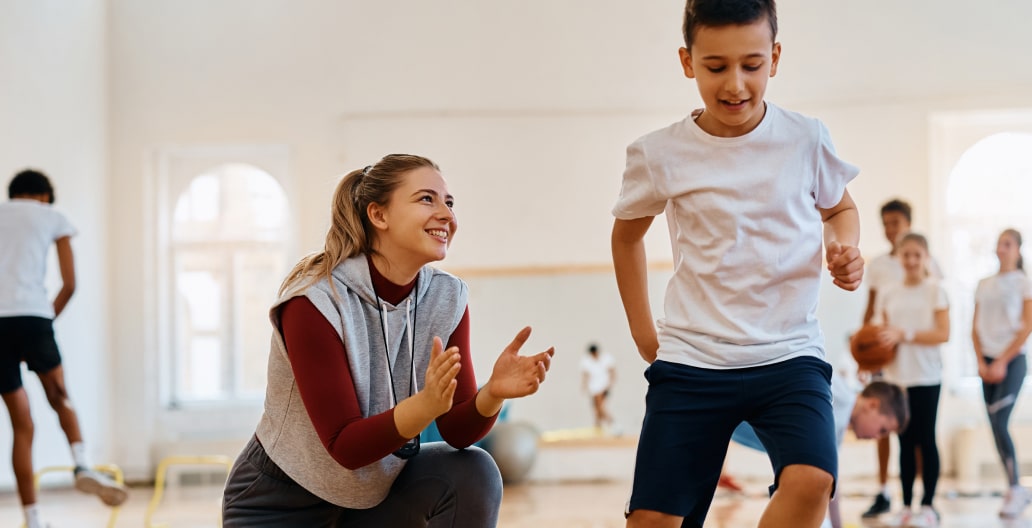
440,383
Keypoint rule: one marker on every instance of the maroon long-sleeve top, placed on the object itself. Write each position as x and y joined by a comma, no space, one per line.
320,365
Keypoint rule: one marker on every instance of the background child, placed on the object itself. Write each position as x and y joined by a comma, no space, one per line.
1002,323
750,191
879,409
597,376
916,315
29,225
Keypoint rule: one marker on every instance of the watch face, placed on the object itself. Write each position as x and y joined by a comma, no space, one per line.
409,450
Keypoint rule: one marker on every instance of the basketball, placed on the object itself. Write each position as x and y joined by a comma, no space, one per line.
868,351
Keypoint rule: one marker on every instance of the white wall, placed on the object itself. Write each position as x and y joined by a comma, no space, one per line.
526,105
53,116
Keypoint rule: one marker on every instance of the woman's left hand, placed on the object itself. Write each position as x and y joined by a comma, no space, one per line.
515,376
995,372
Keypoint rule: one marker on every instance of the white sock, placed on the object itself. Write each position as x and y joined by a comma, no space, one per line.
32,519
79,455
885,491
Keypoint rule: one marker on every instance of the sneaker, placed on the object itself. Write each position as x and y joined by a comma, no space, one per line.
881,505
926,518
1014,504
901,519
101,485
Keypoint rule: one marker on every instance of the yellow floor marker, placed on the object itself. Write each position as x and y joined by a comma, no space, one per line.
159,480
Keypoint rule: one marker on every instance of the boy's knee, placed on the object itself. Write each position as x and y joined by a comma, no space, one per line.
808,482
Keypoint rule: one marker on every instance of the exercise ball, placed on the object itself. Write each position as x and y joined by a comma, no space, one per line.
513,445
870,353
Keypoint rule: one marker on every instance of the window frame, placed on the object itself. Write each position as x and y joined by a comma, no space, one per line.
172,168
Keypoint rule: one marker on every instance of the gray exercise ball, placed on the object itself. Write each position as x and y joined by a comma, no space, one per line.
513,445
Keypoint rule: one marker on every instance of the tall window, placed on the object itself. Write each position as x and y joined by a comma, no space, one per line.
228,250
989,189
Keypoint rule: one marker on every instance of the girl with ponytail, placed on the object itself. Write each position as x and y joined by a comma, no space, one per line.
1002,323
370,346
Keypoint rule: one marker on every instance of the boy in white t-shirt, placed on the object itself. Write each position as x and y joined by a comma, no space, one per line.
28,228
598,374
751,192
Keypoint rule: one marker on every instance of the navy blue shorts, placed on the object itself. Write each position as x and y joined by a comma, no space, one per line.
28,339
691,412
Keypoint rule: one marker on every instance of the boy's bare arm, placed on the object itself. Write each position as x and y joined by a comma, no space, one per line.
632,280
66,262
841,237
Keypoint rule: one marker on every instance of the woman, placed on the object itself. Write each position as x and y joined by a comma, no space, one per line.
1002,322
359,367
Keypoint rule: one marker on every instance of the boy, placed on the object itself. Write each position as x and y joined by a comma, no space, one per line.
880,409
748,189
28,226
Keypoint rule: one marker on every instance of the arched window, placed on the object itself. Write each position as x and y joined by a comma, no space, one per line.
228,250
989,189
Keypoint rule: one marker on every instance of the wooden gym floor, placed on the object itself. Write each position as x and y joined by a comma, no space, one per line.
571,505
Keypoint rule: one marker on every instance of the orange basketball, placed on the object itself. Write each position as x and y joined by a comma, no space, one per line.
868,351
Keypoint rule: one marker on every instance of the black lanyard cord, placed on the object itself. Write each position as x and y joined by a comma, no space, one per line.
411,448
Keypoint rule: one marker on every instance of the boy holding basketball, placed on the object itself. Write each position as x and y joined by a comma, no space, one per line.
750,192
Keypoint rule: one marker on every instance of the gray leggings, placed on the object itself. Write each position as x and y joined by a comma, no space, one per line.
441,487
999,402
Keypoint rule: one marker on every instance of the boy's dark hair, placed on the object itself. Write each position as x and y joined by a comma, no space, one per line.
715,13
593,348
893,401
897,206
29,182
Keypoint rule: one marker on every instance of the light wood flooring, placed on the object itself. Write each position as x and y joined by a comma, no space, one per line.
572,505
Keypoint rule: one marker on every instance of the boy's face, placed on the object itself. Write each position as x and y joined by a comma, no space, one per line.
896,225
867,421
731,65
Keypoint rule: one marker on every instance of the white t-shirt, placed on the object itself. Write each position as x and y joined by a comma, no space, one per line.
597,369
887,269
843,399
912,308
882,271
28,229
1001,301
746,235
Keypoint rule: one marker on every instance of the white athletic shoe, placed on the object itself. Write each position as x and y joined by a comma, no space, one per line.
1017,500
101,485
900,519
926,518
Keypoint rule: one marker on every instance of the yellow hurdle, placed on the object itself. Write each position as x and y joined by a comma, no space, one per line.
159,480
110,469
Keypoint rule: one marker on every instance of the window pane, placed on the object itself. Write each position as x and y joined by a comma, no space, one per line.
202,369
201,292
258,274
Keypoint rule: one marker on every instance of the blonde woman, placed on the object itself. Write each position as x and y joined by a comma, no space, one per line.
370,345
